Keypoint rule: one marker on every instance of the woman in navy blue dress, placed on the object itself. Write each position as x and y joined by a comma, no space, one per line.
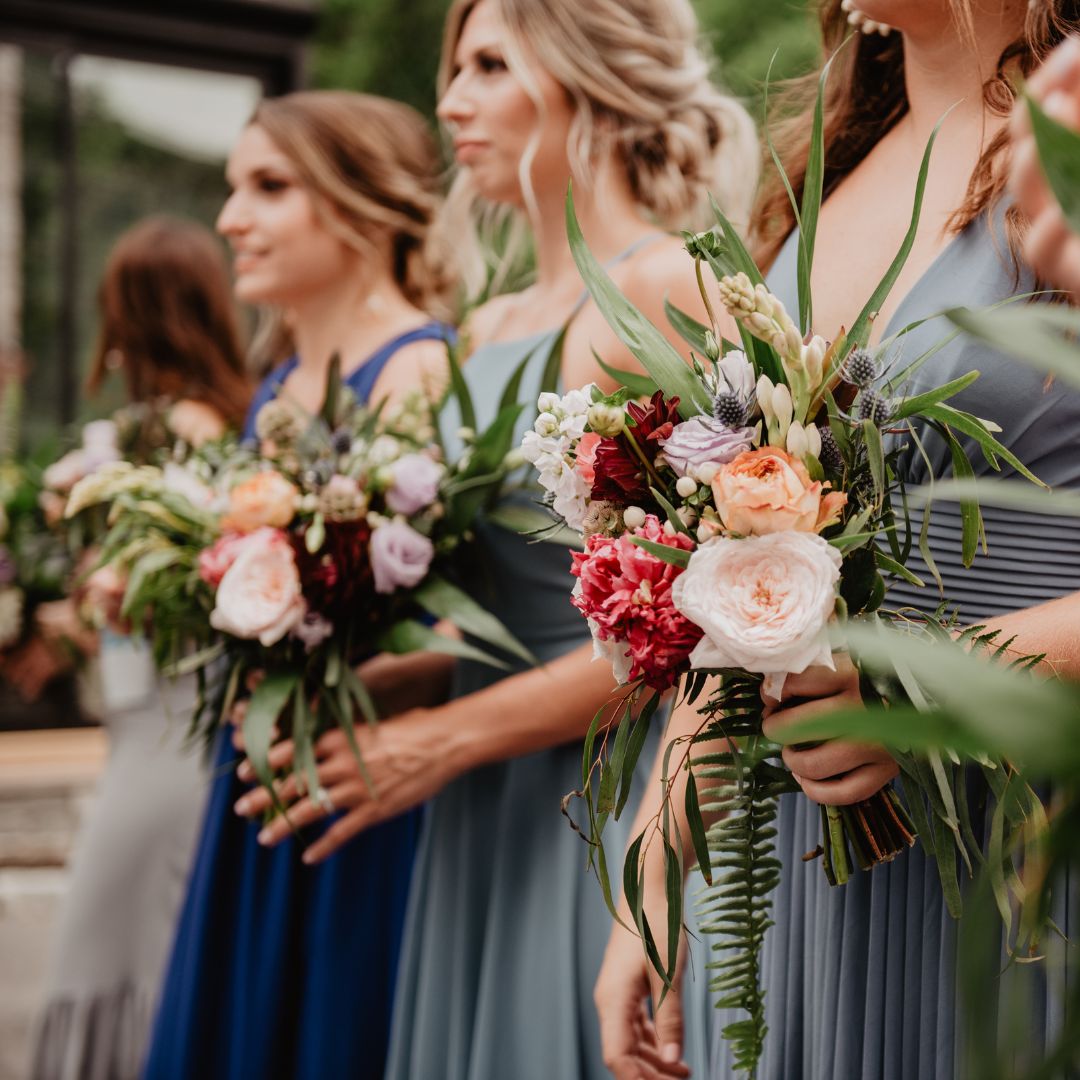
280,969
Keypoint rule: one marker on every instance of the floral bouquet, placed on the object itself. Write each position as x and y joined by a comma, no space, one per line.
731,521
330,540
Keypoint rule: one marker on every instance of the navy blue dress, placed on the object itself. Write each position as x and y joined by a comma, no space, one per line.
280,970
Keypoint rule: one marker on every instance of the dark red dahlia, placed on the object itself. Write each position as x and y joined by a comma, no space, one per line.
338,576
621,476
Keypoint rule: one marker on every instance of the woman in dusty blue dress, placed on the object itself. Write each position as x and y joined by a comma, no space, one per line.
280,969
860,980
505,928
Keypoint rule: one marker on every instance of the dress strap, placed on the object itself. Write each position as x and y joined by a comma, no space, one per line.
633,249
361,380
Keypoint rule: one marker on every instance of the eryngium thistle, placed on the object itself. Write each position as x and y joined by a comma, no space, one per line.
341,441
872,406
278,423
732,410
830,457
860,368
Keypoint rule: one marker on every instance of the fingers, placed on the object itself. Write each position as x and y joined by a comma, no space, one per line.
859,784
819,681
279,758
778,721
344,829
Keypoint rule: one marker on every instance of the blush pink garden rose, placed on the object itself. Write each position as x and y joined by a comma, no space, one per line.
215,560
266,498
764,603
767,490
259,596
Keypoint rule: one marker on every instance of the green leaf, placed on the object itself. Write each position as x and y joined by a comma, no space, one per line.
639,385
676,522
875,453
512,391
912,406
634,746
1059,154
460,389
551,378
533,521
697,827
331,404
652,350
149,565
315,534
665,553
446,601
267,704
891,566
687,327
860,332
409,636
976,429
1011,494
970,516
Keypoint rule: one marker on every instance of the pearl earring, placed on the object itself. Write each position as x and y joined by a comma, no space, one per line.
862,22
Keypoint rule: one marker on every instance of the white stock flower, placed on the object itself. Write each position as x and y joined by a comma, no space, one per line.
763,603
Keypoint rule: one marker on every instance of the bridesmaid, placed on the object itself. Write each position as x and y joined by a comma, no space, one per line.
169,327
860,980
505,930
279,970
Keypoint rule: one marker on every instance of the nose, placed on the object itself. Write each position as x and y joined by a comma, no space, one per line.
457,105
232,220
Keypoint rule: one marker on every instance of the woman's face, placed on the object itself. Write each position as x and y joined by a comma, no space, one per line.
282,251
495,121
926,18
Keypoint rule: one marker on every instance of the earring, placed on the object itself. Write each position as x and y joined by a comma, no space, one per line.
862,22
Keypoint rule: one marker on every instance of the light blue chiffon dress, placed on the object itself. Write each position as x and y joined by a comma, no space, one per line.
861,980
506,930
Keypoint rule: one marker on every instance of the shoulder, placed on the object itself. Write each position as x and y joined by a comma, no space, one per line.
663,270
483,322
416,365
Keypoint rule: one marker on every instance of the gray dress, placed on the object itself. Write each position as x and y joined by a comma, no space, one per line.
860,980
506,931
128,877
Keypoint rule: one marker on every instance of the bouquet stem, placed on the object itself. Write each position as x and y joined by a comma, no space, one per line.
874,831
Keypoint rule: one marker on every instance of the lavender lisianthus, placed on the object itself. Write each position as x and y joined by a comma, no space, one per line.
704,441
415,483
313,629
400,556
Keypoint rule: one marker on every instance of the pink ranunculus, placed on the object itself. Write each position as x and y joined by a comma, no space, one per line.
764,603
415,483
625,593
585,456
767,490
266,498
400,556
259,596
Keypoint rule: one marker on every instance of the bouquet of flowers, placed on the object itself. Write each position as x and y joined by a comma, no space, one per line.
331,539
734,512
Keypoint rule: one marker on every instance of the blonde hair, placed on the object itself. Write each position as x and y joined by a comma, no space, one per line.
640,81
374,170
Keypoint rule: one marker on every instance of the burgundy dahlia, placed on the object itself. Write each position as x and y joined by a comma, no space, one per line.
621,476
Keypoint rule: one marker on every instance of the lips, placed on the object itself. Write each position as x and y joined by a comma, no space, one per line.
466,149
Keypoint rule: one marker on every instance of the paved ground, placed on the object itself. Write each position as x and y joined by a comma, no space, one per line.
46,783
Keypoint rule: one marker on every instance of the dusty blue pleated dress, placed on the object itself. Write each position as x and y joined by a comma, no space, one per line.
279,970
506,930
861,979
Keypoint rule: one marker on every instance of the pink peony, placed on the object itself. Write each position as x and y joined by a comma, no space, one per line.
400,556
625,593
767,490
259,595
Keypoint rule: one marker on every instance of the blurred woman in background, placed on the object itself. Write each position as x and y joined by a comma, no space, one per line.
169,326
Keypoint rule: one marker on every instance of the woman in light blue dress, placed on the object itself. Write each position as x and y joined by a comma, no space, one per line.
279,969
506,930
860,981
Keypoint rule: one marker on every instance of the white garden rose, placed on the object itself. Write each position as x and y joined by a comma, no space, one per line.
764,603
259,595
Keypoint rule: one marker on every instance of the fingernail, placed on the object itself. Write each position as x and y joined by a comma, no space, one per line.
265,836
308,859
670,1053
241,806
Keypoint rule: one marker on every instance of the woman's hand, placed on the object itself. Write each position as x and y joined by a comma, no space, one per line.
1051,248
835,772
407,759
635,1045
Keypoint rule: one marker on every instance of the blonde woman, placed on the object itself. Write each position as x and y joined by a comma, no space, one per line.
279,969
505,928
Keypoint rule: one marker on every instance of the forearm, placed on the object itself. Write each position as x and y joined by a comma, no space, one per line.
1052,628
532,710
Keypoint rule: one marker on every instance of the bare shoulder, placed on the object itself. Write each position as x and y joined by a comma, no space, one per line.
420,365
663,270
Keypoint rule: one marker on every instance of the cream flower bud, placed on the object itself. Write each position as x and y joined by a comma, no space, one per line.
704,473
669,529
793,345
633,517
546,424
686,515
466,434
606,420
813,440
548,402
797,442
686,486
764,395
782,406
814,358
712,349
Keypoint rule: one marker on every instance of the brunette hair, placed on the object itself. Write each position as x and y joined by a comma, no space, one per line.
167,310
640,82
373,168
866,96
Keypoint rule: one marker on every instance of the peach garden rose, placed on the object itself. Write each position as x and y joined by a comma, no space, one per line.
767,491
266,498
